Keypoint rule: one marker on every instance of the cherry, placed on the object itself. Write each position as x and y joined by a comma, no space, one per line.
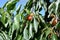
54,22
30,16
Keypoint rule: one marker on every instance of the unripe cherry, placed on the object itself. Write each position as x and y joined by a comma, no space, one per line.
31,14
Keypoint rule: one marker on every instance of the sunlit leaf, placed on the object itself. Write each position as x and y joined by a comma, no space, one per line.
30,31
47,31
25,33
35,25
54,37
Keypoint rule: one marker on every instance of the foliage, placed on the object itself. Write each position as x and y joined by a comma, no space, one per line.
17,27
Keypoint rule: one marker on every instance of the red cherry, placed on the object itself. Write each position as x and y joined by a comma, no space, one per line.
54,22
29,18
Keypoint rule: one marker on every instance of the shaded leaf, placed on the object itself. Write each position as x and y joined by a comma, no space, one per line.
41,37
11,4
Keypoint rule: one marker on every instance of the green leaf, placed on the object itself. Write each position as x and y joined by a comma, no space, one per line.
41,19
11,4
30,31
1,37
15,25
42,22
29,4
41,37
3,16
27,11
25,33
38,6
47,31
4,19
35,25
4,36
52,7
58,25
9,20
19,37
54,37
44,38
5,4
18,9
1,10
16,22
